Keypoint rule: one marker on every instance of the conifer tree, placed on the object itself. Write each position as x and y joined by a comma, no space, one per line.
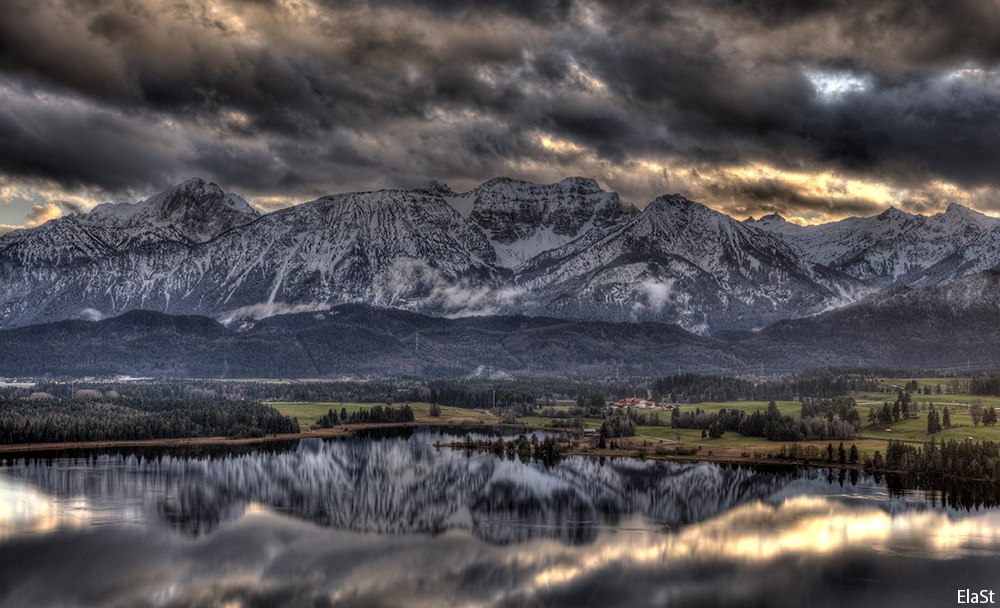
989,416
933,422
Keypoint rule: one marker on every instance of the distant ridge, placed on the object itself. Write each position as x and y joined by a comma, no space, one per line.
951,326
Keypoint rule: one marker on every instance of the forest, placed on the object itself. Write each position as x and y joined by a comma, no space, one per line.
820,419
695,388
483,392
985,384
125,418
961,459
376,415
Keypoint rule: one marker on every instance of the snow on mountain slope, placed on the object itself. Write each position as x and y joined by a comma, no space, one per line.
59,242
776,224
194,212
389,248
679,261
522,219
892,247
567,249
982,253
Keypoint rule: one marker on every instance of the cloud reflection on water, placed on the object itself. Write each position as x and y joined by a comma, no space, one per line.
398,523
756,553
401,487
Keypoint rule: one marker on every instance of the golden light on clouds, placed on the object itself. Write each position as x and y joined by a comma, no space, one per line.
735,108
759,533
45,201
559,146
24,509
38,215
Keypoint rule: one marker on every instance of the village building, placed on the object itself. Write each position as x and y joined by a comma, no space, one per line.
643,404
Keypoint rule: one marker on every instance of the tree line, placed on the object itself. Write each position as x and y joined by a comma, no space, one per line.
376,415
963,459
986,384
696,388
71,420
819,419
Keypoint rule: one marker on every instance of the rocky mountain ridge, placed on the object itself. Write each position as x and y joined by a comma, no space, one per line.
568,250
944,327
890,249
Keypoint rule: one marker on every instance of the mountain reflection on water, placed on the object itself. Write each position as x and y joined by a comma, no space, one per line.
401,523
399,486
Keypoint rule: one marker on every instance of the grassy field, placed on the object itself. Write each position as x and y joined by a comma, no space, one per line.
870,438
787,408
588,423
309,413
916,430
866,400
921,382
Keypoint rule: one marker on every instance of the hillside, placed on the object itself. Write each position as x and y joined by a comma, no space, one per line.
951,326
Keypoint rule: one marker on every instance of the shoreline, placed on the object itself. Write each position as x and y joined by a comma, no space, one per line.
716,455
176,442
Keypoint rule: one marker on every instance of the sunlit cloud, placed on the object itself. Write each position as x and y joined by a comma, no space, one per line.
848,109
38,215
833,86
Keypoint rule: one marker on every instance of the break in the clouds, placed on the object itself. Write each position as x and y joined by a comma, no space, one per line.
814,110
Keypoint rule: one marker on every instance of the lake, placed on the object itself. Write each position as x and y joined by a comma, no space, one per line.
394,521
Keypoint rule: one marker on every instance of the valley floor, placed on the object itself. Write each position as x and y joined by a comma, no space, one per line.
650,442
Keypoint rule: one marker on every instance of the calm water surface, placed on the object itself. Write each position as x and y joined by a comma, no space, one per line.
397,522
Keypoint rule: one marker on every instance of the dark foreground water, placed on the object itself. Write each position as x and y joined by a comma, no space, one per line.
396,522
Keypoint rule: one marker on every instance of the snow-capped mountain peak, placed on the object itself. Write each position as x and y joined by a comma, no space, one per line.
568,249
194,211
776,224
894,213
893,247
523,219
961,213
671,260
439,188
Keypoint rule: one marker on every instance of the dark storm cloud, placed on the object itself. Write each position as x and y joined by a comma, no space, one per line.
944,125
70,206
283,98
74,143
536,10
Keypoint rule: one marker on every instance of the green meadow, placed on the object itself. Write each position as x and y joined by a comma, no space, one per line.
309,413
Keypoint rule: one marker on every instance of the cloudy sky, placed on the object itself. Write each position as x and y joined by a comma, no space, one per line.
816,110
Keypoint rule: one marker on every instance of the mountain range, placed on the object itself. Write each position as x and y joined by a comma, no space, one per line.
949,326
568,250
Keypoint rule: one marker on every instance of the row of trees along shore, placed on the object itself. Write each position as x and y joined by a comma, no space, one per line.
820,419
122,418
376,415
960,459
